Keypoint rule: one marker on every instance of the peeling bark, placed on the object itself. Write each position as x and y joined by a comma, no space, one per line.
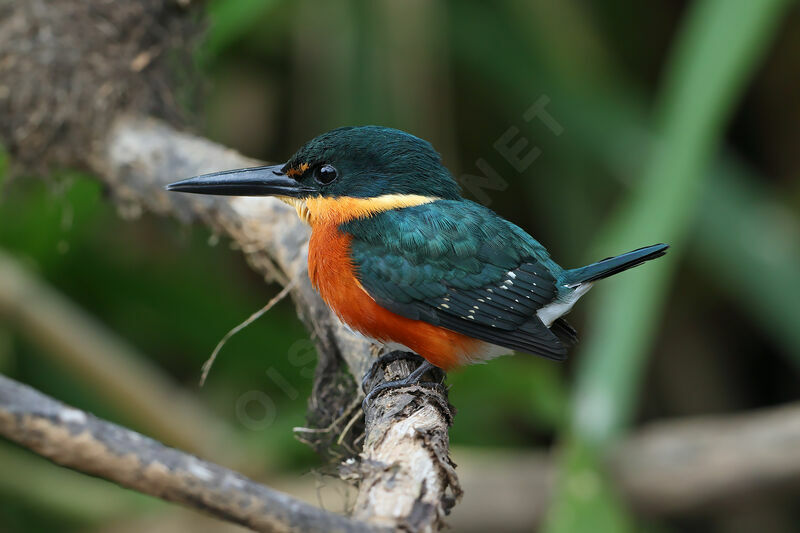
406,477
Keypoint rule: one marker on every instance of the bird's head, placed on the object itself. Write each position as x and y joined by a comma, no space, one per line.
365,168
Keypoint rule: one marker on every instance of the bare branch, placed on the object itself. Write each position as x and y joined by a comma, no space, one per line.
667,468
406,477
80,441
681,466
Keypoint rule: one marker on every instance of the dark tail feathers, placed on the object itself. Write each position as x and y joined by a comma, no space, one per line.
613,265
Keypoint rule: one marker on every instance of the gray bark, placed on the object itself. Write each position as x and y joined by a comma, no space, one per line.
78,440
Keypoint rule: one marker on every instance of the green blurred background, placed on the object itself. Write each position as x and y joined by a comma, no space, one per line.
665,121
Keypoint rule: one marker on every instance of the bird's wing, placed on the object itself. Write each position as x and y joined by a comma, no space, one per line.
458,265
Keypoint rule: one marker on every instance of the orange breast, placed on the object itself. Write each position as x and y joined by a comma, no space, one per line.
332,274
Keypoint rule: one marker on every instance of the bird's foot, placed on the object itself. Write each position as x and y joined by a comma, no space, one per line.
436,375
399,384
383,361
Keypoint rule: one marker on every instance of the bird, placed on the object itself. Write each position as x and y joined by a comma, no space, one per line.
403,258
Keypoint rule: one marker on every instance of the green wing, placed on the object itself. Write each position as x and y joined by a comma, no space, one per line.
458,265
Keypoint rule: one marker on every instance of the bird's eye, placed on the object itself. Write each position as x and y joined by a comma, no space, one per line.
325,174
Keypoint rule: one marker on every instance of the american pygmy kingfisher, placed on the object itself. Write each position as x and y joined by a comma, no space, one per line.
401,257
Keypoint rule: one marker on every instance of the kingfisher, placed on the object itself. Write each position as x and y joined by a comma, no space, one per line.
401,257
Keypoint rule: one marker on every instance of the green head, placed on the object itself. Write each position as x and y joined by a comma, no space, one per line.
359,162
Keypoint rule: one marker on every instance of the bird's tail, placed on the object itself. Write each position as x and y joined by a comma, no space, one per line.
613,265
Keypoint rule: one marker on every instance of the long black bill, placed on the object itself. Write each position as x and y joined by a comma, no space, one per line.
257,181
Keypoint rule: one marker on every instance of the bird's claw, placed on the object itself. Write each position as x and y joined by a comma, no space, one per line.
414,378
382,361
399,384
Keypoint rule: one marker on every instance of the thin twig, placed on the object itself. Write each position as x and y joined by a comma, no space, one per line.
252,318
348,427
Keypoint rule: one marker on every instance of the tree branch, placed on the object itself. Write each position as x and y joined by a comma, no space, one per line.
669,468
406,477
681,466
80,441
